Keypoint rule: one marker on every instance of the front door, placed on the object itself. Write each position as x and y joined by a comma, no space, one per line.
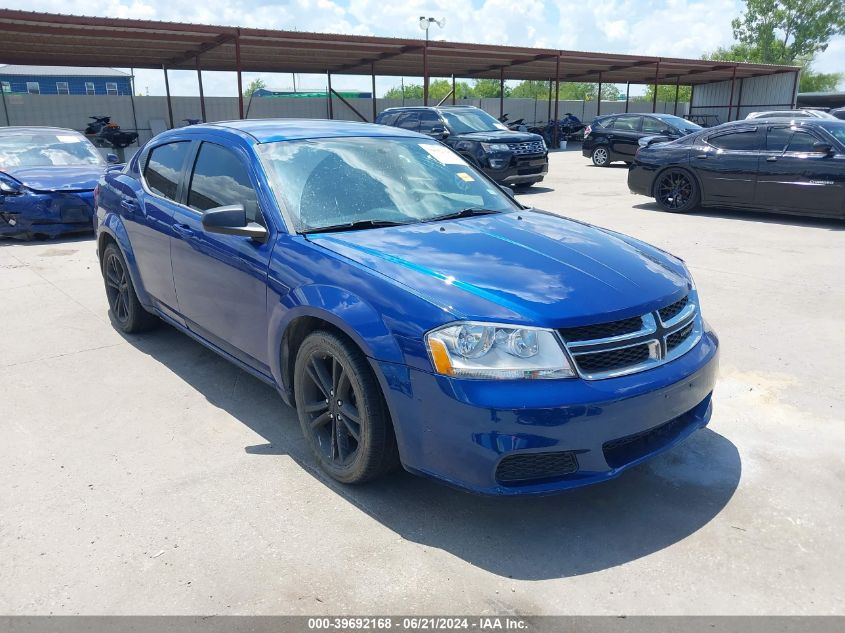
221,280
726,164
794,177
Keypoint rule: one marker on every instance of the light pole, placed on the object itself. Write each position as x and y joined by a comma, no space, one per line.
425,24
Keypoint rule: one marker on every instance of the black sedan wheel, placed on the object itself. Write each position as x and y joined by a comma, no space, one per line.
127,312
342,411
676,191
601,157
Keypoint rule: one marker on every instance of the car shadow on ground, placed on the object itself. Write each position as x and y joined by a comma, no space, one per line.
68,238
522,191
642,512
830,224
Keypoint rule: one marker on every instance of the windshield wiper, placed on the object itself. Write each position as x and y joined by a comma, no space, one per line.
354,226
463,213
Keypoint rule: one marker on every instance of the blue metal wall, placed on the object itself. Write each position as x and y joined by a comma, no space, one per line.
76,85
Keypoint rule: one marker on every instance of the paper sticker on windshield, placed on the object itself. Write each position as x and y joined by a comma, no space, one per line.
67,138
465,177
443,154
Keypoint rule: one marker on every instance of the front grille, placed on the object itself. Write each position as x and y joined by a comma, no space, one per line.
522,468
671,311
676,338
530,147
613,359
627,449
616,348
602,330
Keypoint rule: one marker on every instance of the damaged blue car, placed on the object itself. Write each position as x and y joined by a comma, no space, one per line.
47,180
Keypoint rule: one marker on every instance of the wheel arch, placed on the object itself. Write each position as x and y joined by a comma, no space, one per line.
112,230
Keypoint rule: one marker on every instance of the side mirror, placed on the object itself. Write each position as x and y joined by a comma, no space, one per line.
439,133
112,159
823,148
507,190
231,220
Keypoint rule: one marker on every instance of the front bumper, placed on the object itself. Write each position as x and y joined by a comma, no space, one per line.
519,170
49,214
464,431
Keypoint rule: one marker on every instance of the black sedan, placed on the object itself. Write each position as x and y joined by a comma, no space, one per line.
616,137
795,167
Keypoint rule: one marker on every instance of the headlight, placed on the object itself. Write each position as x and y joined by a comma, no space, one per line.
495,147
482,350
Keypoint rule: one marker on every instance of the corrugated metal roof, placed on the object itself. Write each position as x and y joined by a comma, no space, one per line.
44,38
69,71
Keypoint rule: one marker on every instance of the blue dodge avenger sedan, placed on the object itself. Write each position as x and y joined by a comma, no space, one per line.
408,307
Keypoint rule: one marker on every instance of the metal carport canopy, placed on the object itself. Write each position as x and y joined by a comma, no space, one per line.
46,39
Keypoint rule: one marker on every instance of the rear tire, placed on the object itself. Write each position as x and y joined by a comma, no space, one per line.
342,411
676,191
601,156
126,311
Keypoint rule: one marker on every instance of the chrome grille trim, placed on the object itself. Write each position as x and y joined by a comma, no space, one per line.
528,147
654,332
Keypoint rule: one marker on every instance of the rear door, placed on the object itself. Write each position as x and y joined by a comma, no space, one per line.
149,220
793,176
726,165
623,136
221,280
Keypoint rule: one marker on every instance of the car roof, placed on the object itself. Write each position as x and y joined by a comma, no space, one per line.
437,108
36,129
274,130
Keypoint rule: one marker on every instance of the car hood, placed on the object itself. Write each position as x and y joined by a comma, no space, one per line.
525,267
500,136
66,178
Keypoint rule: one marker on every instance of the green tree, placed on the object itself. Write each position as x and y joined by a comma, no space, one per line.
812,81
581,91
786,31
531,90
667,93
255,84
488,88
411,91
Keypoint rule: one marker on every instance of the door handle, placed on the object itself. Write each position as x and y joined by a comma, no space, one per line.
183,230
701,156
130,206
772,159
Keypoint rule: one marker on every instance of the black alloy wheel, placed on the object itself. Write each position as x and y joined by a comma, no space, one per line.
341,410
676,191
127,312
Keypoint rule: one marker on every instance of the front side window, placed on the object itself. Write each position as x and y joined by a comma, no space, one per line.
89,88
802,142
409,121
219,179
33,87
745,140
323,183
777,138
62,88
164,168
654,126
46,149
428,121
111,88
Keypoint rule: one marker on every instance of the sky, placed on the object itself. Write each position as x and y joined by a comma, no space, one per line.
668,28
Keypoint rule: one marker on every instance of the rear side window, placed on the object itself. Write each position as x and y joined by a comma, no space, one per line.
777,138
164,168
626,123
741,140
220,178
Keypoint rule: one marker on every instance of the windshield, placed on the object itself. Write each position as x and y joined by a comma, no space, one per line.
323,183
688,127
471,120
46,149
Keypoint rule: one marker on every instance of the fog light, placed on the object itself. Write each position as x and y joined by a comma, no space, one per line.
498,163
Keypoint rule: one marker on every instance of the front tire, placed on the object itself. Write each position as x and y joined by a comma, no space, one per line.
601,156
342,411
676,191
126,311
